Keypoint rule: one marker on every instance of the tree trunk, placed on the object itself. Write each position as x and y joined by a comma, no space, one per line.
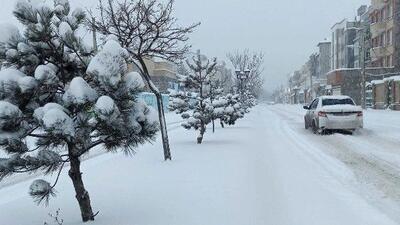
202,131
213,125
163,127
160,108
81,194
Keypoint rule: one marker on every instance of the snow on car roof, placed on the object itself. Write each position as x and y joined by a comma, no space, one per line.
334,97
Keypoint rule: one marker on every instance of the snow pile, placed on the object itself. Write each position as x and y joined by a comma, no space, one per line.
58,122
15,80
11,54
27,84
220,102
33,4
7,111
24,48
229,110
79,93
9,75
109,65
105,104
64,30
39,112
46,74
144,116
11,118
134,81
39,188
54,119
377,82
341,108
106,109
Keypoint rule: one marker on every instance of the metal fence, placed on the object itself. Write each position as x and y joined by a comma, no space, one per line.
150,99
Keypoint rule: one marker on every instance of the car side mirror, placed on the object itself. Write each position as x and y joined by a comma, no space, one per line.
306,107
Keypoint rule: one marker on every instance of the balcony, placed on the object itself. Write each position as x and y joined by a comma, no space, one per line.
378,52
378,4
380,27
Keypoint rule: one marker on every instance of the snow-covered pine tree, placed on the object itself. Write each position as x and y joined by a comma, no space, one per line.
215,92
58,102
248,100
149,30
219,106
228,109
196,108
233,109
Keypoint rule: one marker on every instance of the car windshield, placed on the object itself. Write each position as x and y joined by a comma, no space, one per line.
344,101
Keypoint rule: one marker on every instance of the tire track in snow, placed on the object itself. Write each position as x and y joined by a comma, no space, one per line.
371,171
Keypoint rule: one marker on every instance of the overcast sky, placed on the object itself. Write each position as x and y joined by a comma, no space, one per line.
287,31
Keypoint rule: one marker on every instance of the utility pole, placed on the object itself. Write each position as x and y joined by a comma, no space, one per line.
363,72
311,81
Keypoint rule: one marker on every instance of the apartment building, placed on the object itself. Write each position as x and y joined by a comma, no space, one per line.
362,43
324,58
384,33
342,48
162,73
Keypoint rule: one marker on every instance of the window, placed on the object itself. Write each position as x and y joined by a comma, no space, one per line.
373,18
382,15
380,62
389,61
314,105
382,39
389,10
344,101
389,36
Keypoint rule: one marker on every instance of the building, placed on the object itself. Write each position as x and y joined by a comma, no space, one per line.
342,48
324,59
386,93
385,33
348,81
163,74
362,43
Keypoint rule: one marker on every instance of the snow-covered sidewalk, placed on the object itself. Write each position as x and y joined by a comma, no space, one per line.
264,171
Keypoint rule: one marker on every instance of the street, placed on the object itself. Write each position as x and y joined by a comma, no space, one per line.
371,154
266,170
164,112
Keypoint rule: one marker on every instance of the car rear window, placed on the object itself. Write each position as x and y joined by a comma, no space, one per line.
344,101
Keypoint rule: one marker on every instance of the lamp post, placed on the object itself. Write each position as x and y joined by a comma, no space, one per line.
242,76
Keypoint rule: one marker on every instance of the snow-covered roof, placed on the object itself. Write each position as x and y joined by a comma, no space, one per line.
334,97
375,82
394,78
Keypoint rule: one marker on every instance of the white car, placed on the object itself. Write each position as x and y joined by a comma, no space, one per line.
333,113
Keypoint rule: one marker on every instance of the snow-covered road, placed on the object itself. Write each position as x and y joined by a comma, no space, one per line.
267,170
372,154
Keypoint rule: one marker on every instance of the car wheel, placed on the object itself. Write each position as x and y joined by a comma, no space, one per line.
306,126
314,127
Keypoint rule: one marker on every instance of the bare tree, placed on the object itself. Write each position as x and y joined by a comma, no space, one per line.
253,61
224,77
147,29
